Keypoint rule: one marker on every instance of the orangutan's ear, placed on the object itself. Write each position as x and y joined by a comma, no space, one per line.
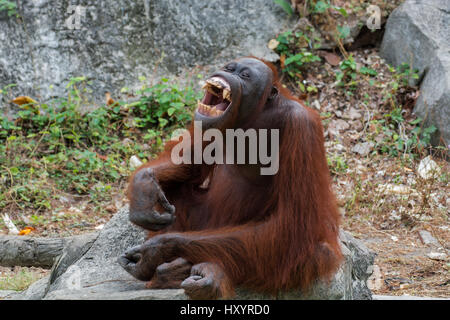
273,93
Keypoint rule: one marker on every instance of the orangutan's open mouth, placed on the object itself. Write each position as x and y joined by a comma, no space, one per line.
217,97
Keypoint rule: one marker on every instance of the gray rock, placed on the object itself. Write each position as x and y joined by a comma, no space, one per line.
363,148
96,275
73,250
418,33
115,42
428,239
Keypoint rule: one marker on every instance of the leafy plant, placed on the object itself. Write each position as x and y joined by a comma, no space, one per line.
292,46
402,137
337,164
347,74
8,6
56,147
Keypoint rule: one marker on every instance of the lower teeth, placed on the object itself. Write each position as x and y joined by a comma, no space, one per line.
208,110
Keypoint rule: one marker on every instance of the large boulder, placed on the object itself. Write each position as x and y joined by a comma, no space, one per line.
112,43
418,33
95,273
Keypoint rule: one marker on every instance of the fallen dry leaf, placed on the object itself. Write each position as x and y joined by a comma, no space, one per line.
273,44
331,58
26,231
24,100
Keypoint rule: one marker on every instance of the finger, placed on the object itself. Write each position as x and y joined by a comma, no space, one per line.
134,254
161,218
130,259
165,204
193,281
127,264
131,263
197,287
163,201
175,265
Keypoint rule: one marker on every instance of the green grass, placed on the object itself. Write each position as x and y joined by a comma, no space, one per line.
20,280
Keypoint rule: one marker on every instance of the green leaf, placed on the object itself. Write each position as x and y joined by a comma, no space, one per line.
302,86
170,111
416,121
163,122
321,7
344,31
291,59
177,105
285,5
368,71
342,11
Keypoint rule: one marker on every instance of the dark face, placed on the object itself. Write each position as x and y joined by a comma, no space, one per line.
233,94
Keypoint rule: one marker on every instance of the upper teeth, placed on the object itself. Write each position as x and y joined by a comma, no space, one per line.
218,82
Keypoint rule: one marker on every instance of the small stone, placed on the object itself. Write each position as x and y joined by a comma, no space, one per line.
437,255
135,162
316,104
395,216
74,210
428,168
111,208
353,114
363,148
126,142
375,281
395,189
337,126
427,238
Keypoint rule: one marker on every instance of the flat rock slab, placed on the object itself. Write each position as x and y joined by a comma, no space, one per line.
95,274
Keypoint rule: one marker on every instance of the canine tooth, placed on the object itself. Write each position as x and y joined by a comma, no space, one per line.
226,94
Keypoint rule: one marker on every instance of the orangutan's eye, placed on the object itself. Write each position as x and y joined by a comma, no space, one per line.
230,67
245,74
